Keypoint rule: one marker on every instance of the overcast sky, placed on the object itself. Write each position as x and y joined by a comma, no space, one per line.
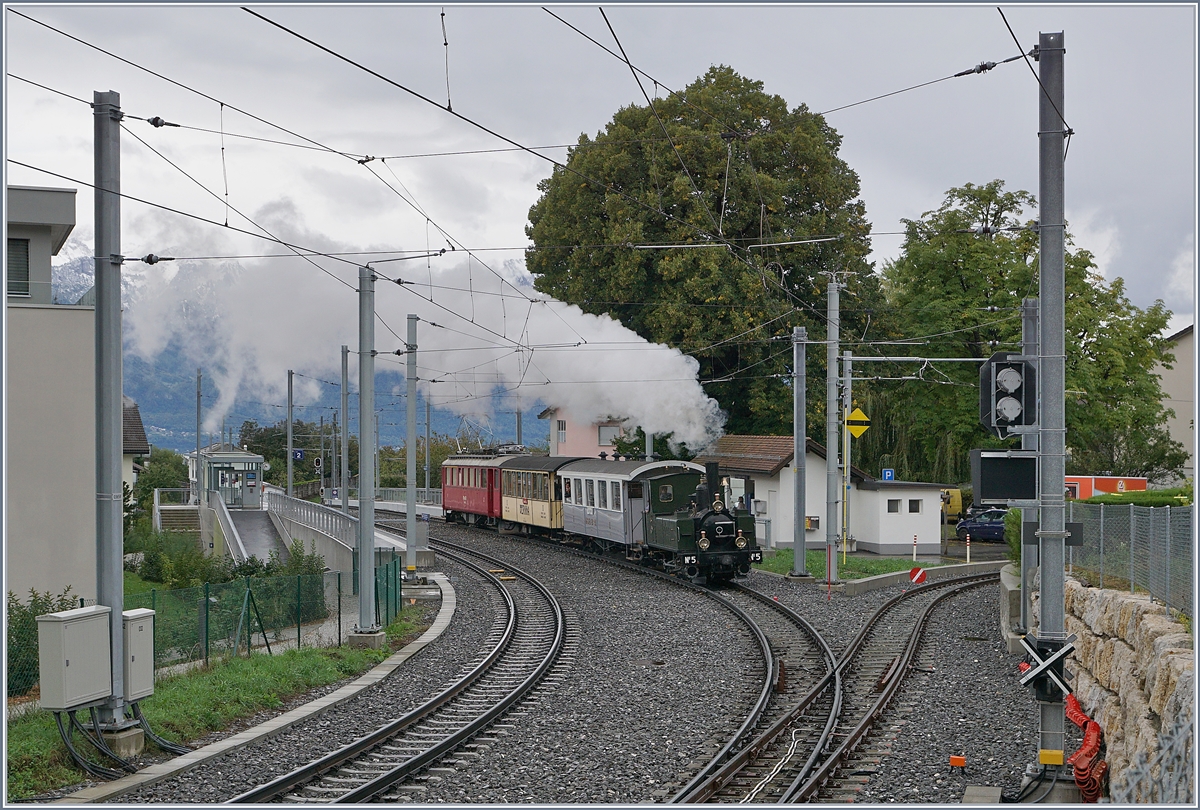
1130,98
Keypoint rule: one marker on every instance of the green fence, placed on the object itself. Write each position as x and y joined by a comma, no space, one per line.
221,619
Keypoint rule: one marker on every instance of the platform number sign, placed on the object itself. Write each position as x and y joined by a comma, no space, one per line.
889,474
298,455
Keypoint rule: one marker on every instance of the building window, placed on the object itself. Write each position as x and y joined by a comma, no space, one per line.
894,505
18,267
562,431
608,435
914,505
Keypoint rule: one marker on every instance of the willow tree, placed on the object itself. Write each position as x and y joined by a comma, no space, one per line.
680,220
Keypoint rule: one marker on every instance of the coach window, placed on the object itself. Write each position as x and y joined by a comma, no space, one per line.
579,491
566,485
591,492
894,505
603,486
914,505
616,495
666,493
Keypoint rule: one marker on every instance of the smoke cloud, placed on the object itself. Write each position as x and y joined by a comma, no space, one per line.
483,332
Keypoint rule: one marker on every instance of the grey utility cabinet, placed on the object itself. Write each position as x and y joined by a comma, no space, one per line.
74,661
139,653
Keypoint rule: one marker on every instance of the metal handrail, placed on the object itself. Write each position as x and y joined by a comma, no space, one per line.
233,539
341,528
425,497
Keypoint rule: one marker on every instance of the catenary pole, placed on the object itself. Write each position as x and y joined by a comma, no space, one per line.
410,448
366,459
106,118
346,430
832,484
199,469
290,493
799,448
427,486
847,363
1052,369
1029,347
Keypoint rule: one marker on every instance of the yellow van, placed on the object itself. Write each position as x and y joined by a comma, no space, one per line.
952,505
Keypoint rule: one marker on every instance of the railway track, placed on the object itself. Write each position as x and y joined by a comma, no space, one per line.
814,709
523,647
796,757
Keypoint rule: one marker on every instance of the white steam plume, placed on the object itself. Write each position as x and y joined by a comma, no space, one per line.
251,320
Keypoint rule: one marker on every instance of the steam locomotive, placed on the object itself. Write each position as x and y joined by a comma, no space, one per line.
666,513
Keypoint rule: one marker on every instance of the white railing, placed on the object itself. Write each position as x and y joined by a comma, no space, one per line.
233,540
166,496
426,497
327,521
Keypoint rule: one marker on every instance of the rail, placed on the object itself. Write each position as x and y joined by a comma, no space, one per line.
233,540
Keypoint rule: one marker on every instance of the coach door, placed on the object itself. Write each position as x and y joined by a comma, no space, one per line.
636,511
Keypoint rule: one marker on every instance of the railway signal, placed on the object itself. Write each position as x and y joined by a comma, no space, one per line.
1007,393
857,423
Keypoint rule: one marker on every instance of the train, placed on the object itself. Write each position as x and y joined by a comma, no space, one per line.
666,513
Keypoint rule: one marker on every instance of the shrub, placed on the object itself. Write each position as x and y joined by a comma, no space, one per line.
1012,533
23,635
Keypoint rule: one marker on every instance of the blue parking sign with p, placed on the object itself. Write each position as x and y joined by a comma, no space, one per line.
889,474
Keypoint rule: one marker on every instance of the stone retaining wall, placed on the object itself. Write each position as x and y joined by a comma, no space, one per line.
1134,670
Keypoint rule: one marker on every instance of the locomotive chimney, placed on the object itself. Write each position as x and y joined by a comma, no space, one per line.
712,476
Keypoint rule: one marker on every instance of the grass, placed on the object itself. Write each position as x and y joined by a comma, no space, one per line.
192,704
852,568
135,584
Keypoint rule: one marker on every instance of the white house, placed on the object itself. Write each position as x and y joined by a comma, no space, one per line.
884,516
133,440
50,486
1179,393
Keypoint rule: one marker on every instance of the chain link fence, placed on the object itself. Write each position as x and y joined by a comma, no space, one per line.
193,626
1136,548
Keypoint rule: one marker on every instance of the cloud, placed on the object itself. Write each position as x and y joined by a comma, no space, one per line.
1181,281
1093,230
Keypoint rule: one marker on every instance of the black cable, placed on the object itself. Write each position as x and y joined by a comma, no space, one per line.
230,207
51,89
280,242
1045,92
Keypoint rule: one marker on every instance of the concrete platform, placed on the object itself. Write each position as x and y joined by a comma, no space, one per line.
981,794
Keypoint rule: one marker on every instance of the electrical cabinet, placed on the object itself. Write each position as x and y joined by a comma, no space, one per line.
139,653
74,657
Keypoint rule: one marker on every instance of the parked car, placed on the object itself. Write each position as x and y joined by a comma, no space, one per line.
987,525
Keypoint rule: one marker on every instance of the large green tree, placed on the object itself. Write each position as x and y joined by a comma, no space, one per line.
957,293
724,168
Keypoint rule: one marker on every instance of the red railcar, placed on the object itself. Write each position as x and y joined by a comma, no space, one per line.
471,488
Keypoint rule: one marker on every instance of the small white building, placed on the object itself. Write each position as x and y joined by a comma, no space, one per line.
884,516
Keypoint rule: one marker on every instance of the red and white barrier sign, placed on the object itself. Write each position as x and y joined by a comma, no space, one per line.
917,575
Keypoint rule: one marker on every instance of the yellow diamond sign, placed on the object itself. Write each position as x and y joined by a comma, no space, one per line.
857,423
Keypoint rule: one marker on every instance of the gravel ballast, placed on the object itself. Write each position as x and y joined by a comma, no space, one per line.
658,678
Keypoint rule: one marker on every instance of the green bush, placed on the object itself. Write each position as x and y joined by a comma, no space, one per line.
23,635
1012,533
1178,496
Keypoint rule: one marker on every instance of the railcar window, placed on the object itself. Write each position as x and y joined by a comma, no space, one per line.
603,485
635,489
543,493
566,492
579,491
591,492
666,493
616,495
